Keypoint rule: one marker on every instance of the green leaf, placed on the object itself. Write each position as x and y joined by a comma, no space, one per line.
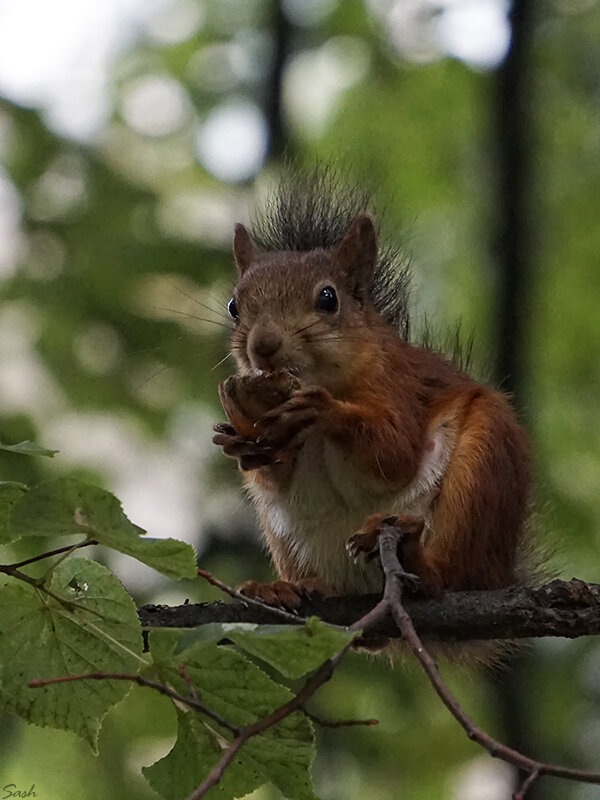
10,493
293,651
241,693
194,753
68,506
41,638
28,449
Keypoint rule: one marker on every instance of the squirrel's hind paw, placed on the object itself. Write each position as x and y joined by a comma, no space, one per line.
285,594
364,544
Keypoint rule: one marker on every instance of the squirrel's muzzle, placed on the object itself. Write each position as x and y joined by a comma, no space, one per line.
264,344
267,344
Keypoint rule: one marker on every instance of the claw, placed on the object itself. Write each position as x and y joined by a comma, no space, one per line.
285,595
250,454
225,427
288,424
280,594
294,403
363,546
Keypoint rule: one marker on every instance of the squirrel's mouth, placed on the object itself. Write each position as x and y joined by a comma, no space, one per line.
276,363
292,369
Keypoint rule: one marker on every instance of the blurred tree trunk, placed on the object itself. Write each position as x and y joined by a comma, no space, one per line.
281,28
512,107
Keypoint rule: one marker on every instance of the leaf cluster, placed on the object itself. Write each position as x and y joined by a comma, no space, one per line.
78,619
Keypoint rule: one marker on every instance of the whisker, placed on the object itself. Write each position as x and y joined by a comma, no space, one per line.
222,299
306,327
153,348
198,302
332,338
154,375
203,353
195,316
218,364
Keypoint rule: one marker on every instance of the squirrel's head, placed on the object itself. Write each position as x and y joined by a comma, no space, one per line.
305,312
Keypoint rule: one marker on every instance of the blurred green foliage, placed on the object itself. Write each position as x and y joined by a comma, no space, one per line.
124,242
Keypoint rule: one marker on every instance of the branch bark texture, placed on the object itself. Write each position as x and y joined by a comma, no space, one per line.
559,608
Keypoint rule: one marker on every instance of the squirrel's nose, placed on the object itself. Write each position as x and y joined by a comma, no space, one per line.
267,343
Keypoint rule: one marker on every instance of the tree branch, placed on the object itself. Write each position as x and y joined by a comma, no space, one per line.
569,607
394,575
281,614
192,701
559,608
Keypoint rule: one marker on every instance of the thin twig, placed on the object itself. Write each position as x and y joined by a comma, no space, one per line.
47,577
285,615
388,546
321,676
526,785
50,553
192,702
339,723
38,583
189,681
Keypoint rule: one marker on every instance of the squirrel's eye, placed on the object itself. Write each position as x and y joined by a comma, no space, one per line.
327,300
233,309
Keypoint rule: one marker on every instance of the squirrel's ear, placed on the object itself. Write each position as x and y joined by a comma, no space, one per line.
243,249
357,252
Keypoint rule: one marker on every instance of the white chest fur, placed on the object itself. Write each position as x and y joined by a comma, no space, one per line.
328,500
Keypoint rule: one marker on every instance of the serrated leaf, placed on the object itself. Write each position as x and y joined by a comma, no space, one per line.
242,693
194,753
28,448
68,506
292,650
41,638
10,493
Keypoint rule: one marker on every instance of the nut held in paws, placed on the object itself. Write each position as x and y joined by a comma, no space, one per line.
246,398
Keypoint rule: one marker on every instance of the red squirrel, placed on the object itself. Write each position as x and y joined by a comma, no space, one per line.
339,423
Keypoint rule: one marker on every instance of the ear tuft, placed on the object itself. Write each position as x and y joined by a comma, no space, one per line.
357,253
243,249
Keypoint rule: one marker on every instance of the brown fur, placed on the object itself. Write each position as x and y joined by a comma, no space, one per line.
384,404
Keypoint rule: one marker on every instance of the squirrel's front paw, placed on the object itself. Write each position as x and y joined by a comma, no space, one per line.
245,398
289,423
250,454
284,594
